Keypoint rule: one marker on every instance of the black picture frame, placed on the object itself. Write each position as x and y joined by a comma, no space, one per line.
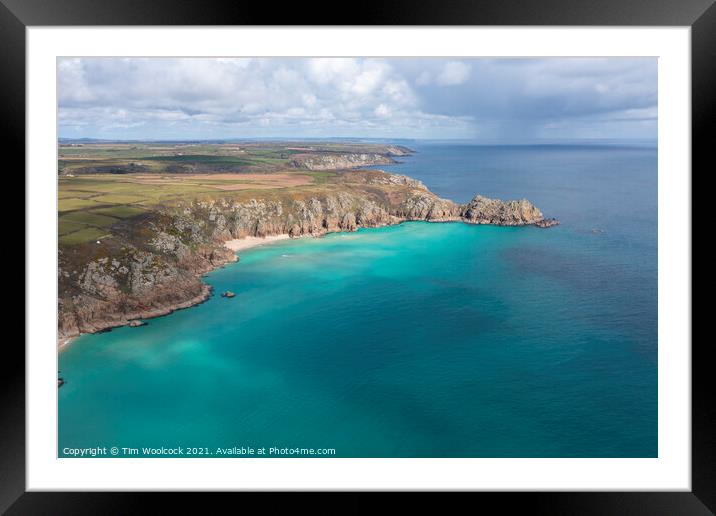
700,15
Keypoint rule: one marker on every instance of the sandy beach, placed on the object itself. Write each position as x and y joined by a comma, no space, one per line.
241,244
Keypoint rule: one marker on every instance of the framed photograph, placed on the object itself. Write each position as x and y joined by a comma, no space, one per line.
430,248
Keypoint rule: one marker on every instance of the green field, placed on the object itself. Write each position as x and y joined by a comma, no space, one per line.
153,158
120,211
90,205
81,236
102,184
176,158
71,203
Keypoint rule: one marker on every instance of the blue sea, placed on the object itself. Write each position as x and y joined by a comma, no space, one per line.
418,340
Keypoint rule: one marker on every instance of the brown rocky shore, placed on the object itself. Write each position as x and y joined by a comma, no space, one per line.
152,264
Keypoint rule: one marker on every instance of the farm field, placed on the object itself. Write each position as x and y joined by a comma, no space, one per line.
103,184
182,158
89,205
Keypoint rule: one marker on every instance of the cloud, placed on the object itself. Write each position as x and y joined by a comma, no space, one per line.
450,73
404,97
453,72
382,111
526,99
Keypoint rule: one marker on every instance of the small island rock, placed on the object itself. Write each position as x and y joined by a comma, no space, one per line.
546,223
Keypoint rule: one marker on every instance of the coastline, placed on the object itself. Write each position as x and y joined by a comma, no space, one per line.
311,219
235,245
64,342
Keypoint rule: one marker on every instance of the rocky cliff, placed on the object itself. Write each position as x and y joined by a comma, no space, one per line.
337,161
482,210
152,264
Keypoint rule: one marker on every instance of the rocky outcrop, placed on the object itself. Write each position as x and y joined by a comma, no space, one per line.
89,314
394,179
153,265
482,210
398,150
338,161
547,223
427,206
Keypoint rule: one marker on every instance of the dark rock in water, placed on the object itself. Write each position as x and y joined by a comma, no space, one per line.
228,293
546,223
136,323
60,382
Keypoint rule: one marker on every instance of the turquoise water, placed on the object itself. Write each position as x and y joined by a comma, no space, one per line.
419,340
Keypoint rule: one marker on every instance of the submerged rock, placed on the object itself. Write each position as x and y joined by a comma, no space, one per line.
547,223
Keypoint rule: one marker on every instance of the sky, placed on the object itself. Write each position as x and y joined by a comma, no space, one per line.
495,100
